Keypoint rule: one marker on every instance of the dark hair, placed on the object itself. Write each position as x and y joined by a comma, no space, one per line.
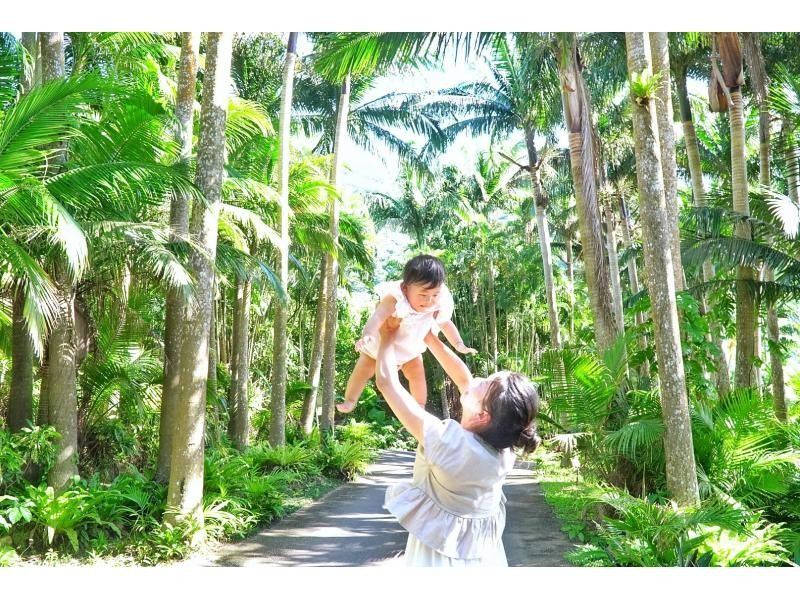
424,270
512,403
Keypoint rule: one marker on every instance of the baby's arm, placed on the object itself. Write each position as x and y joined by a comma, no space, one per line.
450,362
454,337
384,310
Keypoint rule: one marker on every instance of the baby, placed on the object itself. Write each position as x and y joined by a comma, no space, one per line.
422,303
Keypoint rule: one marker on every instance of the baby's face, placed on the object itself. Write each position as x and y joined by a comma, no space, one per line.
420,297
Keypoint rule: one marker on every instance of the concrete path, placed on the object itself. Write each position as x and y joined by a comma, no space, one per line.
349,527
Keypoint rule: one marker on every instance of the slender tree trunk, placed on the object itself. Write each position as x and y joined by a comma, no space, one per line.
570,284
698,192
212,430
20,397
758,75
277,427
310,404
62,369
613,262
492,308
179,227
792,162
732,63
666,134
542,201
185,497
332,267
28,76
577,116
484,320
627,239
633,276
239,418
43,409
222,330
678,447
745,295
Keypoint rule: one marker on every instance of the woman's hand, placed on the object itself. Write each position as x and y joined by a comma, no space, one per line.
389,328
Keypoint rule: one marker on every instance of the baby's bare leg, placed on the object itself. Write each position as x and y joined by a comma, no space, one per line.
364,370
414,371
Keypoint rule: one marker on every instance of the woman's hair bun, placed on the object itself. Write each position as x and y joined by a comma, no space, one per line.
528,439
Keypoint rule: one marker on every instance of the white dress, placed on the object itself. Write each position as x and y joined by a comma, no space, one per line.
454,508
414,325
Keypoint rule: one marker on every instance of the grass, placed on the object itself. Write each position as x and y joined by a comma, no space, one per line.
571,499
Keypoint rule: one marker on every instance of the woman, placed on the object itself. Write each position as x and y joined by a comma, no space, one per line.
454,508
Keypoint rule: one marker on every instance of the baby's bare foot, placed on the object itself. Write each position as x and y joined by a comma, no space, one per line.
346,407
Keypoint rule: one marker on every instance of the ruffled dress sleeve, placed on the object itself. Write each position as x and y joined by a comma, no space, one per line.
455,504
392,288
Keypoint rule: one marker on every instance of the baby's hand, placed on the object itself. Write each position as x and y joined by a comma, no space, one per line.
462,348
364,342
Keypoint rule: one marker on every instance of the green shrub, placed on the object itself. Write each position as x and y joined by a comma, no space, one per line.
345,460
30,447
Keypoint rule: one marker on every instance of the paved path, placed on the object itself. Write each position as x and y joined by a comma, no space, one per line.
349,527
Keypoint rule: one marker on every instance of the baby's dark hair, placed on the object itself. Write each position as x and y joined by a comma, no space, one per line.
512,403
424,270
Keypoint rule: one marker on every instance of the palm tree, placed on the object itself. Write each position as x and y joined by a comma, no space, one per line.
277,435
332,267
686,52
186,468
732,78
20,396
62,358
520,98
758,75
678,449
659,44
179,223
577,116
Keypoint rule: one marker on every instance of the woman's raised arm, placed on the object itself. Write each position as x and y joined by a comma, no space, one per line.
404,406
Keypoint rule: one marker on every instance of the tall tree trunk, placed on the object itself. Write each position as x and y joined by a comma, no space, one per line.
633,277
492,308
792,162
222,330
20,397
239,415
28,76
179,230
211,382
577,116
613,266
185,497
542,201
570,282
43,409
332,267
277,425
758,75
62,369
678,447
730,52
723,376
310,404
627,239
659,45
